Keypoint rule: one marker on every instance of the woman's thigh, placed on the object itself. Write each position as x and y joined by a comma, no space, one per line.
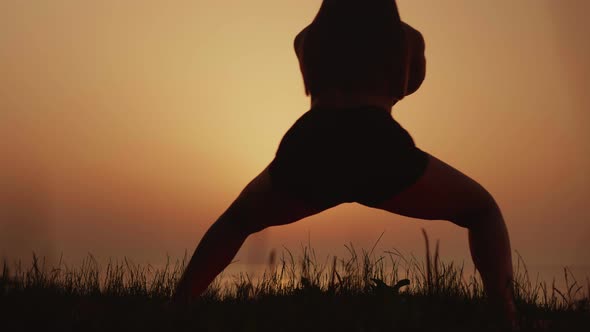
442,193
261,205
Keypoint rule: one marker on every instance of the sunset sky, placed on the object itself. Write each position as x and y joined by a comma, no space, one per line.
127,127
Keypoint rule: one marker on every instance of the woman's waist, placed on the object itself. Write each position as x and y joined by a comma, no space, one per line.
345,120
338,101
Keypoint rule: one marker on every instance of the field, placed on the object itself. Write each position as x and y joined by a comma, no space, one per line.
365,291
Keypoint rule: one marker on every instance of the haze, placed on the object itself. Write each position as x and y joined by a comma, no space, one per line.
127,127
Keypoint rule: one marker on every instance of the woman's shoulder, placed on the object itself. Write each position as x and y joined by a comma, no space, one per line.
298,41
414,37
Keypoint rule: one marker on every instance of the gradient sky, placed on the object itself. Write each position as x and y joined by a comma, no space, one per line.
127,127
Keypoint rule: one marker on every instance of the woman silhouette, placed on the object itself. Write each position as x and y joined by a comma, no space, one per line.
358,59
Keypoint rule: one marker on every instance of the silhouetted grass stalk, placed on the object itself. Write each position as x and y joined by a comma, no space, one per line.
358,274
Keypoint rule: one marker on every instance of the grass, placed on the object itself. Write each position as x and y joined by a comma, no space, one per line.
365,291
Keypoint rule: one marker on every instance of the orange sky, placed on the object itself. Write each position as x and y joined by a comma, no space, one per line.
127,127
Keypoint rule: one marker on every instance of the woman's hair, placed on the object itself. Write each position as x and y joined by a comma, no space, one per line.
353,46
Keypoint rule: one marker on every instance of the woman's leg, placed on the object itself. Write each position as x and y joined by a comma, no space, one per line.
447,194
257,207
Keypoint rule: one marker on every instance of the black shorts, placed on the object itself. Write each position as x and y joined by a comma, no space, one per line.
333,156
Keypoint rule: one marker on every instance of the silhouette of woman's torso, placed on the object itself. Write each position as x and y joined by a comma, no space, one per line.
358,53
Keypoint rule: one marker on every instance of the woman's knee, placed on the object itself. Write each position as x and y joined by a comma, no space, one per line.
483,209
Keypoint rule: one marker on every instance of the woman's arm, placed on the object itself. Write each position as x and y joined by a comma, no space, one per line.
298,42
416,60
